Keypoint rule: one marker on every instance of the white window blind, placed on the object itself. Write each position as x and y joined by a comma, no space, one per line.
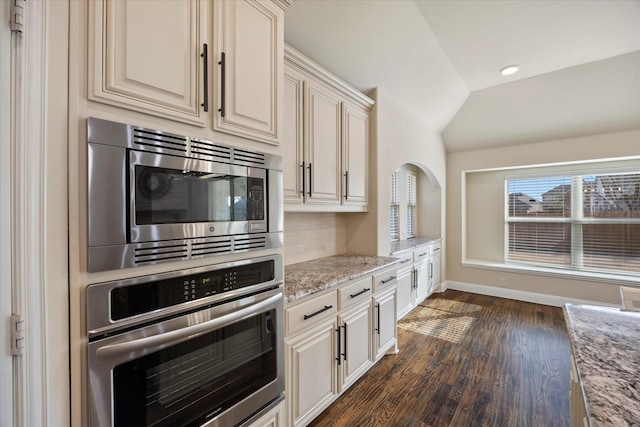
411,205
580,222
394,225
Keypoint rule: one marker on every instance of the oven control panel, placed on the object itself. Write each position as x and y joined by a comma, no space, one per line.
143,298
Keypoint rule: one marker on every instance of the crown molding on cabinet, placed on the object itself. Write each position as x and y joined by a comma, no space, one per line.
296,59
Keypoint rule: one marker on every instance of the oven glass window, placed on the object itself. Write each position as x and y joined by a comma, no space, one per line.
191,382
170,196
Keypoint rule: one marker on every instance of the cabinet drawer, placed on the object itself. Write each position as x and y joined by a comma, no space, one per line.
308,313
358,291
384,279
406,262
422,254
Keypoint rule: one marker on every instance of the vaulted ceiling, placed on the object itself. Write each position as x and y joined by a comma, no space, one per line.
579,62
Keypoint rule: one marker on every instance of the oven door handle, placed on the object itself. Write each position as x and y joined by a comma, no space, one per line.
158,342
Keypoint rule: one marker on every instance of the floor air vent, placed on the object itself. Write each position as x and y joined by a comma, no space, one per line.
161,140
160,252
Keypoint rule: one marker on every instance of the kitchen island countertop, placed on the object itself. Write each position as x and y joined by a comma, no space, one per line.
605,343
309,277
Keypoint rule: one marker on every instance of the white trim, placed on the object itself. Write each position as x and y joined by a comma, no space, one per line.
6,376
513,294
614,279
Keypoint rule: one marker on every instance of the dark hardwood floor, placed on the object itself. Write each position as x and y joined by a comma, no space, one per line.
466,360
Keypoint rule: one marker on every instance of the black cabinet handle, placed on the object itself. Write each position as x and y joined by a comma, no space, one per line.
423,254
205,60
360,293
302,167
322,310
388,280
346,185
404,261
223,84
310,177
431,270
378,319
344,354
339,353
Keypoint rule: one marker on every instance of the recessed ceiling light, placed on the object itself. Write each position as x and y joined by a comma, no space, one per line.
508,70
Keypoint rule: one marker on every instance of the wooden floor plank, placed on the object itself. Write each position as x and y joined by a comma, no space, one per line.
466,360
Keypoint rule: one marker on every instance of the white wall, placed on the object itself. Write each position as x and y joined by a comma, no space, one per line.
397,137
485,234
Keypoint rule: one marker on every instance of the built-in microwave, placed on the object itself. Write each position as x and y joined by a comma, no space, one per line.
155,197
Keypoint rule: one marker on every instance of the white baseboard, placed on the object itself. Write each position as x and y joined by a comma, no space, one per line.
514,294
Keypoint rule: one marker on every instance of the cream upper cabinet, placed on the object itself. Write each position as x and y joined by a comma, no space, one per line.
322,131
249,59
355,154
326,140
218,65
148,56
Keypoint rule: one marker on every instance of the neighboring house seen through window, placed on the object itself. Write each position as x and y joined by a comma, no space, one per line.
578,222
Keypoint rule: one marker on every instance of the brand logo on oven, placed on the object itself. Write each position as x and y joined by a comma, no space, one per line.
211,414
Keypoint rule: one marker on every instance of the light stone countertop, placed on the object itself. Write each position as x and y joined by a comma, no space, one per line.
403,245
605,343
309,277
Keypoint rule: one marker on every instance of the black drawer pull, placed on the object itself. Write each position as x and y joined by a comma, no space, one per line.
388,280
360,293
426,253
404,261
322,310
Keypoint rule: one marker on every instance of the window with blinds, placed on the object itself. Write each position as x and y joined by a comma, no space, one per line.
411,205
579,222
395,209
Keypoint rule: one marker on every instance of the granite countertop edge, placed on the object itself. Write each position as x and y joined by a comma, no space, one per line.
605,385
307,278
404,245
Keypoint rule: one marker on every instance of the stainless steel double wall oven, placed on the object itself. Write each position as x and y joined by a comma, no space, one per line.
195,347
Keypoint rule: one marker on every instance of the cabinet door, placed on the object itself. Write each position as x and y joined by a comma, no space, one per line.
155,69
322,129
403,292
355,143
435,273
356,354
422,282
311,370
292,143
250,34
385,322
273,418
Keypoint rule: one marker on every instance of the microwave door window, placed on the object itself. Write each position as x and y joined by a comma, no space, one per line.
219,199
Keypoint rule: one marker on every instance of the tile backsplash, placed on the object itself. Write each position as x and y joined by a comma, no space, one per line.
311,235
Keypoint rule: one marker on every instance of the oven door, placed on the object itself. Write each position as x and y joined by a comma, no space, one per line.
177,198
216,366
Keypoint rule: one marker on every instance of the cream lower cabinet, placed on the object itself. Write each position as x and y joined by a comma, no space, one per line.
311,372
274,418
181,60
404,285
333,339
325,140
418,275
385,322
